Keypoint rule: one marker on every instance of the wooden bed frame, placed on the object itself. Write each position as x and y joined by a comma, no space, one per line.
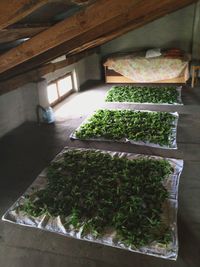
112,76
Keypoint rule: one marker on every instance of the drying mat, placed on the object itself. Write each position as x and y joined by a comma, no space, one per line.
179,98
172,137
56,224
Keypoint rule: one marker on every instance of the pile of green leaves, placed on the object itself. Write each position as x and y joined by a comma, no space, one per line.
167,95
153,127
97,191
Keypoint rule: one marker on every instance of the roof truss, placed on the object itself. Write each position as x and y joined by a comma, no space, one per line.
12,11
96,24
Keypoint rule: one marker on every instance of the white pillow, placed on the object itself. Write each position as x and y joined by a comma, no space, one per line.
153,53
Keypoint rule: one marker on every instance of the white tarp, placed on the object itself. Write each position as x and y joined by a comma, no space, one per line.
172,137
57,224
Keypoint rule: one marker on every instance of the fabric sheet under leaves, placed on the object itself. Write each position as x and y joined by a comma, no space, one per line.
172,136
57,224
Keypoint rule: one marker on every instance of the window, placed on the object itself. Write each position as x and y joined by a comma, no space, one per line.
60,89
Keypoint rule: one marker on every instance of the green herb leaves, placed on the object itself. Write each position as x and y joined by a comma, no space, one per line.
152,127
95,191
167,95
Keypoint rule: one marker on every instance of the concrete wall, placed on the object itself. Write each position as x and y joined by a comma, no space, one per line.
17,107
173,30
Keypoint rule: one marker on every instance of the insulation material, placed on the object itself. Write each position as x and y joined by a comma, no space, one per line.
172,137
58,224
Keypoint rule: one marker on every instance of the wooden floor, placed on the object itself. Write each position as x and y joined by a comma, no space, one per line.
27,150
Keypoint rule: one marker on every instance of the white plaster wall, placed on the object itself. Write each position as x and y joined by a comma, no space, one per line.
58,73
42,93
18,106
92,67
173,30
30,101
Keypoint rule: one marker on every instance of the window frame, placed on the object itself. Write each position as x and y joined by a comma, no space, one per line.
61,98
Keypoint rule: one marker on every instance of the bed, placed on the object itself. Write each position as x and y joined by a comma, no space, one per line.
171,66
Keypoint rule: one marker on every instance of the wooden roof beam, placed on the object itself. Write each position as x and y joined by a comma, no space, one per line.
12,11
102,19
36,74
13,34
91,16
83,21
81,2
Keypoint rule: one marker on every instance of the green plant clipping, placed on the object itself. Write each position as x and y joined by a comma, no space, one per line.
96,191
140,126
167,95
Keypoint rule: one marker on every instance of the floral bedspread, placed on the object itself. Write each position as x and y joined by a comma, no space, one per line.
141,69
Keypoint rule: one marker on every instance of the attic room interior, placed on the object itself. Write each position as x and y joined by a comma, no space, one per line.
99,133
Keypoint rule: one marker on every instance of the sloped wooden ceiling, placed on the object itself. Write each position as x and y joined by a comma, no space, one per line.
13,11
86,24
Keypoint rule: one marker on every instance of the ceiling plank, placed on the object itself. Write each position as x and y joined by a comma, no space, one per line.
138,14
12,11
10,35
81,2
63,31
36,74
30,25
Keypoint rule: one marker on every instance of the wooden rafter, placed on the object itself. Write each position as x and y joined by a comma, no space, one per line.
10,35
63,31
12,11
98,23
81,2
36,74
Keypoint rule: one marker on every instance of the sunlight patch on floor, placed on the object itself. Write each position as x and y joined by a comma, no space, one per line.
80,104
